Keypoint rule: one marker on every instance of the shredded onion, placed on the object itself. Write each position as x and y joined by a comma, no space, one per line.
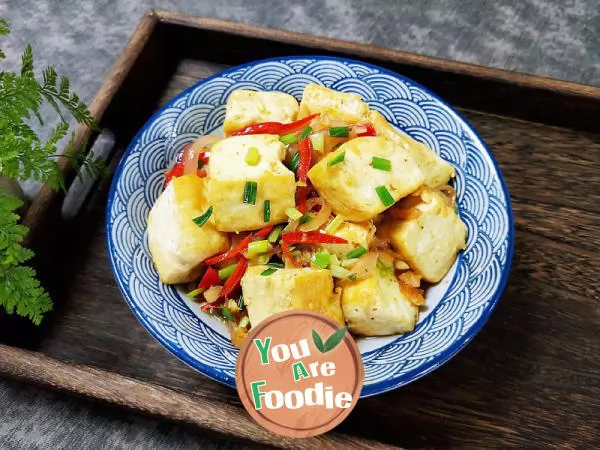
365,266
318,219
411,278
192,152
211,295
291,226
449,194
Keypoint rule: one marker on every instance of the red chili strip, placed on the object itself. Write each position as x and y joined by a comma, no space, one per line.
230,253
275,127
310,237
234,280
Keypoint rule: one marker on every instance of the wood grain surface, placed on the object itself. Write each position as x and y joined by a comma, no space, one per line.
531,377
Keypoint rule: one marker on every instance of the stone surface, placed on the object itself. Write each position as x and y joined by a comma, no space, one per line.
82,38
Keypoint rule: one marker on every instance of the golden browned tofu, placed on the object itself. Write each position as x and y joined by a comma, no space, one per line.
248,107
377,306
341,106
429,242
288,289
228,173
436,171
350,186
177,244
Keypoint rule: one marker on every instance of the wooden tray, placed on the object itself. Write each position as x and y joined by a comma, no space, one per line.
530,378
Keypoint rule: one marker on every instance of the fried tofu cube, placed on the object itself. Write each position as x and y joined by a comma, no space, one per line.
177,244
289,289
377,306
430,241
349,187
357,234
345,107
228,173
437,172
245,108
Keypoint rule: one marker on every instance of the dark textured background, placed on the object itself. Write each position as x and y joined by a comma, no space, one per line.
82,38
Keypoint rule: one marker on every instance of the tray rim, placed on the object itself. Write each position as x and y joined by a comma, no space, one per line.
27,365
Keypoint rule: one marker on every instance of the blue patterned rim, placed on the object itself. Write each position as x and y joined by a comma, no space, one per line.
483,199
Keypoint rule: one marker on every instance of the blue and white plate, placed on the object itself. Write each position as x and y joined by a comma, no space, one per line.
456,308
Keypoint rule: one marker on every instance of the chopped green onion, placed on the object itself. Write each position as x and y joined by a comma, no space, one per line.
288,139
201,220
277,264
340,132
258,247
274,235
294,162
227,314
381,164
244,322
339,272
304,219
305,133
269,271
293,213
226,272
195,292
352,277
263,259
337,159
267,211
321,259
252,156
456,209
318,142
334,224
356,253
385,196
250,189
240,302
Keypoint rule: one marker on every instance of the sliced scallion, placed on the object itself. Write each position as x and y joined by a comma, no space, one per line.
240,302
288,139
250,189
269,271
304,219
352,277
305,133
227,314
381,164
385,196
318,142
274,235
334,224
258,247
356,253
263,259
293,213
339,272
294,162
252,156
244,322
226,272
201,220
267,211
337,159
195,293
340,132
277,264
321,259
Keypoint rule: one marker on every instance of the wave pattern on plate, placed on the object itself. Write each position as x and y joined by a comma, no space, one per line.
482,201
